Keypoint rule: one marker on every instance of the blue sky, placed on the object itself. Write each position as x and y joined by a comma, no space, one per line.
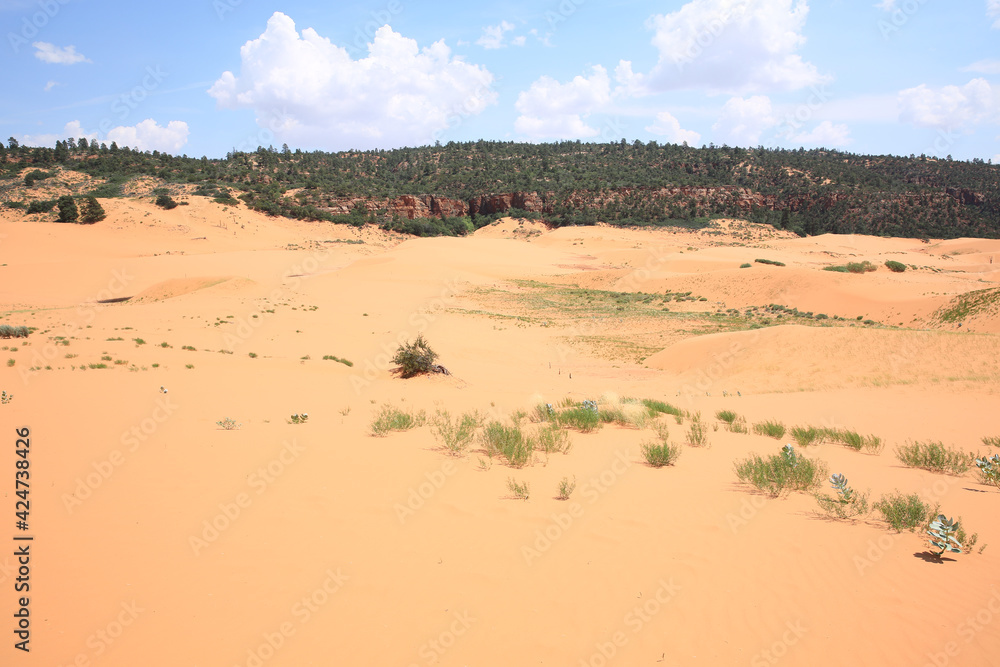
202,78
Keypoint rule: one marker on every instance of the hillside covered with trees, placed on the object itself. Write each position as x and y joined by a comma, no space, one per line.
455,188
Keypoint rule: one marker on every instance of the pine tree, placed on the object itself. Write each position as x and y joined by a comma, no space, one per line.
67,209
92,211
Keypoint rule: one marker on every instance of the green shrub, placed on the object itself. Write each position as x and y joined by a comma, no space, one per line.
507,442
934,456
727,416
943,531
770,429
745,265
847,504
41,206
697,435
989,470
838,269
583,419
781,473
390,418
91,211
894,266
991,440
659,407
659,455
67,209
518,490
165,201
769,261
905,511
330,357
739,425
553,440
457,435
415,358
566,488
806,435
870,443
8,331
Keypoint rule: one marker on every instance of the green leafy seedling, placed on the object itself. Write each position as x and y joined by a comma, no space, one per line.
942,531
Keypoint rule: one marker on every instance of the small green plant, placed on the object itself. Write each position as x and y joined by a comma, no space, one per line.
697,435
659,455
905,512
415,358
739,425
456,435
189,348
165,344
745,265
806,435
727,416
934,456
509,443
11,362
252,355
518,490
553,440
847,504
566,488
189,366
991,440
330,357
228,424
989,469
390,418
770,429
8,331
298,418
90,366
781,473
584,419
894,266
5,398
139,341
659,407
769,261
942,531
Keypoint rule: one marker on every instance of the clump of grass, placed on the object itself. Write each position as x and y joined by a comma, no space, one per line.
769,261
566,488
697,435
584,419
905,511
934,456
894,266
853,267
390,418
553,440
659,407
991,440
509,443
518,490
781,473
455,435
139,341
661,452
727,416
298,418
623,411
330,357
228,424
870,443
8,331
739,425
90,366
806,435
770,429
745,265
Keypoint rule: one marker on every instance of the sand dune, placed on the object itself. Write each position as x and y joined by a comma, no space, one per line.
165,539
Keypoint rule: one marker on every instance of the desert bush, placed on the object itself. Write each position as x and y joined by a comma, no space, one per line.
870,443
228,424
507,442
455,435
934,456
806,435
905,511
989,470
553,440
847,504
769,261
991,440
727,416
566,488
583,419
41,205
894,266
330,357
415,358
8,331
165,201
298,418
745,265
697,435
770,429
390,418
518,490
780,473
943,533
659,407
662,454
543,412
624,412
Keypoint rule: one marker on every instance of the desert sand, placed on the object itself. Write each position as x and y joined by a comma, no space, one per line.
161,538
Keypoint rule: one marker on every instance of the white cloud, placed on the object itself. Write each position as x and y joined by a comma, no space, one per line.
987,66
886,5
826,135
732,46
993,11
554,110
744,120
951,107
493,36
149,136
72,129
50,53
50,85
519,40
669,127
310,92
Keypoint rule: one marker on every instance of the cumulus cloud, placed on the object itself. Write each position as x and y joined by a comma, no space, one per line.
493,36
743,121
826,135
670,128
987,66
553,110
50,53
951,107
735,46
310,92
149,136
